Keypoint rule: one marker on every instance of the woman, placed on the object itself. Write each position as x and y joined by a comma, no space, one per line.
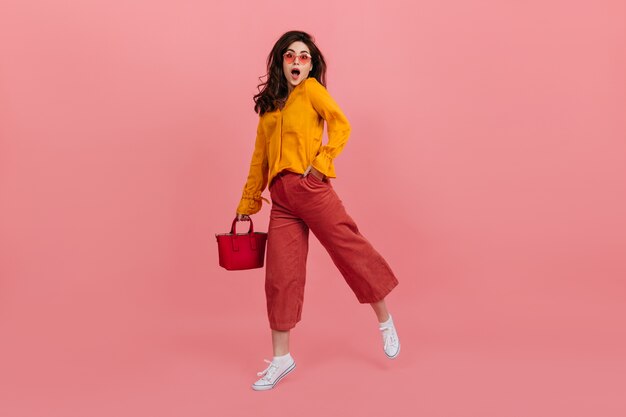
289,155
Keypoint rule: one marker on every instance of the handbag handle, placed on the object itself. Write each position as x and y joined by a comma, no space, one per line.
233,228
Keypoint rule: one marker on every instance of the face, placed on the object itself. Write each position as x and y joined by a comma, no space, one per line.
297,64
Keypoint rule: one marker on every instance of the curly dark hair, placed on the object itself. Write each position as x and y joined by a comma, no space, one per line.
274,91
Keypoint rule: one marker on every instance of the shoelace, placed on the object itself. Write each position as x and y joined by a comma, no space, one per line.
268,372
389,336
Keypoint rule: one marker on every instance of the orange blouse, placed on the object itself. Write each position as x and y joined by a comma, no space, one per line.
291,139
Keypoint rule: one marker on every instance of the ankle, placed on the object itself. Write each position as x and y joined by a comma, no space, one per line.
386,323
282,358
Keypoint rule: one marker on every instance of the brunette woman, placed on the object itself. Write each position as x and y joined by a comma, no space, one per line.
289,155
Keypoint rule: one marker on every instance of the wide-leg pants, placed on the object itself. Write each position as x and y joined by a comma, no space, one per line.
300,204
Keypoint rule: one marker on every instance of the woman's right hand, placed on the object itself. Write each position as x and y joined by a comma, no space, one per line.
243,217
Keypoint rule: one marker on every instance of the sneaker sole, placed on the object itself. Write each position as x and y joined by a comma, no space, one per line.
396,355
268,387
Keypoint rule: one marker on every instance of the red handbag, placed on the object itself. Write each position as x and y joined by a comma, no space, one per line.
239,251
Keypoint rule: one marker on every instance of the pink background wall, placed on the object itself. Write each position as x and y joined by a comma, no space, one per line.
487,164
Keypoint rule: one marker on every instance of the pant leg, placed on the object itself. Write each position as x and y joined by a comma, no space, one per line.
285,271
364,269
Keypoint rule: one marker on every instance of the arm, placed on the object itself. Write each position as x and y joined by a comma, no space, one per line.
251,200
338,126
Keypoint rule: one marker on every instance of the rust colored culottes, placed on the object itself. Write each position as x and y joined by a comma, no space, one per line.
299,204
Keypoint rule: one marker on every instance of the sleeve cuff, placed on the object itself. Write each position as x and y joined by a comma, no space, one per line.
322,163
251,203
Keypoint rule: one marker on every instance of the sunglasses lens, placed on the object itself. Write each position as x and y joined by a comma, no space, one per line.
304,59
289,57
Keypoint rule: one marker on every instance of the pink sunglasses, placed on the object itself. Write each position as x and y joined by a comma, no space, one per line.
290,57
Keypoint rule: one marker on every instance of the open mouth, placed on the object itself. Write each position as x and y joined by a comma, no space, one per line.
295,73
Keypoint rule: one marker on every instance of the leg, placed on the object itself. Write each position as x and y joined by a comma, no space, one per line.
364,269
380,308
280,342
285,272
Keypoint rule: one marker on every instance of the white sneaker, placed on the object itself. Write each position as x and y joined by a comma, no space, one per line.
272,374
391,342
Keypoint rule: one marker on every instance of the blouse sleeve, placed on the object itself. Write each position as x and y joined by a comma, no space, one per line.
251,200
338,125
